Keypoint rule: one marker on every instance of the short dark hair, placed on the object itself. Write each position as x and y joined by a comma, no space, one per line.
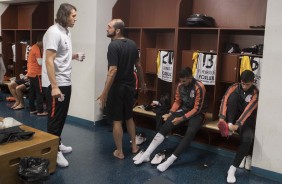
63,13
185,72
39,38
248,76
119,24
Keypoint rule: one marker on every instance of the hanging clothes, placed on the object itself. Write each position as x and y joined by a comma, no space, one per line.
245,64
2,70
206,68
165,65
14,52
195,62
27,50
256,63
253,64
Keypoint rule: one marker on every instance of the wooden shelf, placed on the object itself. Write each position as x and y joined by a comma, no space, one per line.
23,22
230,68
145,13
161,25
225,13
158,29
251,30
240,31
151,60
211,125
199,28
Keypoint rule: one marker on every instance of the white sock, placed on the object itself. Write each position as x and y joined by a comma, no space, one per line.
248,163
158,139
242,165
229,124
162,167
229,129
231,174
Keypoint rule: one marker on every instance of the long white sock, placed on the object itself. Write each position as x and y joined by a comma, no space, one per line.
248,163
162,167
231,174
242,165
158,139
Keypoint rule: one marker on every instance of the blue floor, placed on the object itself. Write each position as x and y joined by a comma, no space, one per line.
92,161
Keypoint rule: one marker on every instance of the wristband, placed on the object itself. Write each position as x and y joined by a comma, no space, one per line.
238,124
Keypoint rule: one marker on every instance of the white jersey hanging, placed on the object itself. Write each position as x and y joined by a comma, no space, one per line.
206,69
2,70
27,50
165,65
256,67
14,52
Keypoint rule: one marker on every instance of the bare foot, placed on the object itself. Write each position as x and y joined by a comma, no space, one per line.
15,105
119,155
42,114
20,106
135,149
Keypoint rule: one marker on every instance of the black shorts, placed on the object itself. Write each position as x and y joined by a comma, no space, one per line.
22,81
120,102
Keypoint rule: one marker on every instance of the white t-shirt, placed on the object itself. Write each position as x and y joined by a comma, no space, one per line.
59,39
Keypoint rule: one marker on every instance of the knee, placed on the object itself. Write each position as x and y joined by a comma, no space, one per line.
18,89
162,132
12,85
166,127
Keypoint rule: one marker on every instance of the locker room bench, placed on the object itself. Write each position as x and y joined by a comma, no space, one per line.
212,125
209,128
4,84
4,87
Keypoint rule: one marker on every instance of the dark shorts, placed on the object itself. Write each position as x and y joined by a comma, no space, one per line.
22,81
120,102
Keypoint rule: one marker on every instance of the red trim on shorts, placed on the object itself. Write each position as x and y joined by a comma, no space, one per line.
53,107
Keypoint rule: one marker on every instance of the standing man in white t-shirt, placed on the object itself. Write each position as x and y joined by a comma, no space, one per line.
56,73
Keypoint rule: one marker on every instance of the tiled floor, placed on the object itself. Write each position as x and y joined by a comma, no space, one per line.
92,162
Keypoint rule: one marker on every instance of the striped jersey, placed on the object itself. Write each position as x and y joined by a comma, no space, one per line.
191,99
247,99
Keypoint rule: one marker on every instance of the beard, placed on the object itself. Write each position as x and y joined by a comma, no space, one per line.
111,35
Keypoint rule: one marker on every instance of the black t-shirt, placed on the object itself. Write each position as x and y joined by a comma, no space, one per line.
123,54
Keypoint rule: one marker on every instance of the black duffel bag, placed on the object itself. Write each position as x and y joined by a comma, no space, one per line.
200,20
